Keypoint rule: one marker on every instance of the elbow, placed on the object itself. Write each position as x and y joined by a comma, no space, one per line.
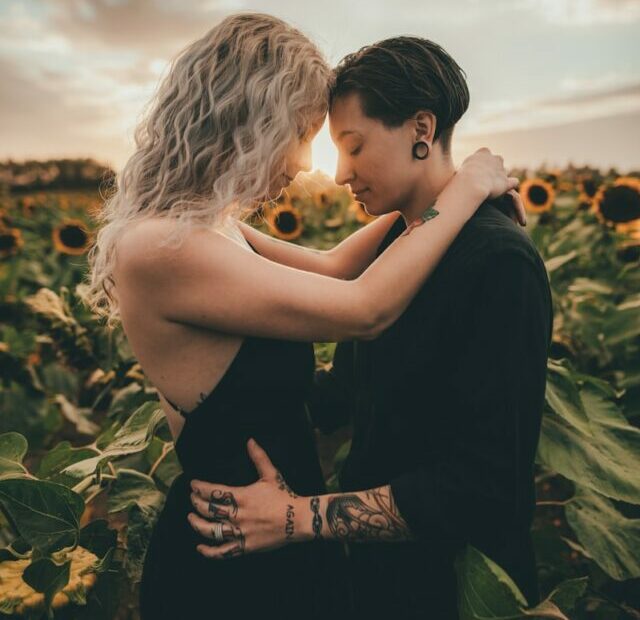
373,321
372,332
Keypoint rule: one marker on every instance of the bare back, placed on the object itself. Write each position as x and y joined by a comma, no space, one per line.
184,362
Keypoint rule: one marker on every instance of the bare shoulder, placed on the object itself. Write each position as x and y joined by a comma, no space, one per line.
143,249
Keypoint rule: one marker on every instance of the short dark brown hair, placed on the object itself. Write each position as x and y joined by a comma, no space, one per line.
397,77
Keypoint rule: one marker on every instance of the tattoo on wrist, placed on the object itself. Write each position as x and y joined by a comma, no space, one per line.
283,486
289,526
429,214
316,523
369,516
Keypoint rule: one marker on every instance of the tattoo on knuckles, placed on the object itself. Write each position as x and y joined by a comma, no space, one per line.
226,498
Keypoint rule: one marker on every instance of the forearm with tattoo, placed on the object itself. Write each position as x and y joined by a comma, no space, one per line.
362,516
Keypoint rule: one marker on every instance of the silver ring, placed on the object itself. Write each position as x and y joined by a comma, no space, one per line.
216,530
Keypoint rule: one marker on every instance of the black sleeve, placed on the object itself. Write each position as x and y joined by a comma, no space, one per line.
332,399
497,386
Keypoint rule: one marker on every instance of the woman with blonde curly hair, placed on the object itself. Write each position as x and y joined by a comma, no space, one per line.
213,308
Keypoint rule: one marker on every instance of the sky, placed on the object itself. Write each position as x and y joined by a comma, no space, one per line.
551,81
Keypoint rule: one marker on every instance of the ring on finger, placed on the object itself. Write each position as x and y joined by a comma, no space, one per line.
218,534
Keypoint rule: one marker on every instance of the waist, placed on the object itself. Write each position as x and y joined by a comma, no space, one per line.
222,456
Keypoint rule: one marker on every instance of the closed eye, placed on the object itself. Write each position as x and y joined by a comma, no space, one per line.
357,150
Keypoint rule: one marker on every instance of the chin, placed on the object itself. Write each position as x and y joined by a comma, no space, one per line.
375,209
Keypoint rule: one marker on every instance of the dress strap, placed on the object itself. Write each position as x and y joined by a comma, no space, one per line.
181,411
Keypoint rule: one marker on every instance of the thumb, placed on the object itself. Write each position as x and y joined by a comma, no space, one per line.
261,460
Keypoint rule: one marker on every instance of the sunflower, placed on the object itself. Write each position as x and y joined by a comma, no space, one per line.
629,249
285,222
63,203
282,199
565,186
360,212
34,359
5,219
135,372
619,204
323,199
71,237
627,181
28,205
538,195
552,176
10,241
588,186
333,222
17,597
584,202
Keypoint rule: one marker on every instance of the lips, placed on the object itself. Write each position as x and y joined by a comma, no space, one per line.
359,192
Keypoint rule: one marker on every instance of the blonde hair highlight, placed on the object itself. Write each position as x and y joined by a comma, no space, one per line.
214,137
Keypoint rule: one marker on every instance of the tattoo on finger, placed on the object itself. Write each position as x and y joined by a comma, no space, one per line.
226,498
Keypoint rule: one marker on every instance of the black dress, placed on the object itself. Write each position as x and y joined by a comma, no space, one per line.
262,395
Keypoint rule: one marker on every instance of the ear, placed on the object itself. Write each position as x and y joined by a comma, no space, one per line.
425,125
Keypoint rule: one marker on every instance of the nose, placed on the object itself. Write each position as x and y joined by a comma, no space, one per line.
344,172
306,159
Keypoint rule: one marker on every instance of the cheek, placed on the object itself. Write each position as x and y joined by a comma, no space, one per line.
389,180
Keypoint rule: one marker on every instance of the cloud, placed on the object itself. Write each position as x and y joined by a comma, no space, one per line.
36,122
587,12
149,27
76,73
582,100
603,142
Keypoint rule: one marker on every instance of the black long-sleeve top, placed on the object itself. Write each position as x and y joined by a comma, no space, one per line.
446,407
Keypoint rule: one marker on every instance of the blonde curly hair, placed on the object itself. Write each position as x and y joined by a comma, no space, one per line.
214,136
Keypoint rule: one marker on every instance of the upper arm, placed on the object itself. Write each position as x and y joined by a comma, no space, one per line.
501,357
213,282
494,383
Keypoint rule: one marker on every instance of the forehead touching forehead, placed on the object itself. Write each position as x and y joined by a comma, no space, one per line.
347,115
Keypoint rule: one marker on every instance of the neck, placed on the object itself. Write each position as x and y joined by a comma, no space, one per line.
433,180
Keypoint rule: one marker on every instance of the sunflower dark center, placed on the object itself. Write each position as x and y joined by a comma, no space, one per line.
538,195
286,222
620,204
73,236
7,242
590,188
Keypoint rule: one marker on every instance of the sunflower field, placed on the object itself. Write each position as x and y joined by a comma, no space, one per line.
86,455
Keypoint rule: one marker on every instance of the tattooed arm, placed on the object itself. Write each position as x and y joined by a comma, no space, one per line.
268,514
360,516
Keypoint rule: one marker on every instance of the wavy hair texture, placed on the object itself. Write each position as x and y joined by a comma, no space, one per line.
213,138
